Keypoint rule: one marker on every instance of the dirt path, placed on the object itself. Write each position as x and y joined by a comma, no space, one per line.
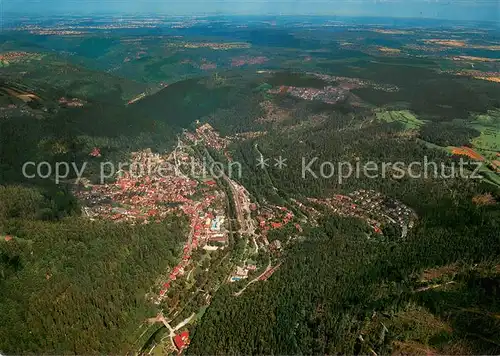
423,289
184,322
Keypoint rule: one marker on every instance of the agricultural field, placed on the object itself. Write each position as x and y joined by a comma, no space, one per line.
489,140
486,146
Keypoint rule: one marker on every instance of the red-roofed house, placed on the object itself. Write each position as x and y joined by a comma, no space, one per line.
275,225
96,152
217,239
181,340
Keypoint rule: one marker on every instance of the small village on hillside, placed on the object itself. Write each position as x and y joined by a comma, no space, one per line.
370,206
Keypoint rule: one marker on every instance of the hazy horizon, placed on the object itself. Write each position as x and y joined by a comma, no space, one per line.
483,10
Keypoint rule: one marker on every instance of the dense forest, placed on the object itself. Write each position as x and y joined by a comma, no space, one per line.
448,133
330,287
73,285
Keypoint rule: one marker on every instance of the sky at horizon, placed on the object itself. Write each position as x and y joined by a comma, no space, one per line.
476,10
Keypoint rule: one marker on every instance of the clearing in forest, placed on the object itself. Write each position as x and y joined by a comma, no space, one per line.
405,117
488,143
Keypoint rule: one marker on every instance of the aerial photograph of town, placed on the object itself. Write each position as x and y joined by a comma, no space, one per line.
263,177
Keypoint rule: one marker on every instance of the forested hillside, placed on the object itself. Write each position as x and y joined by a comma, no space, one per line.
338,291
72,285
330,288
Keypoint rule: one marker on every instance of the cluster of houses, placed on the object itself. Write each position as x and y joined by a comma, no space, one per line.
373,207
15,56
328,94
136,199
348,83
337,90
274,217
71,103
138,194
205,133
247,60
211,45
385,208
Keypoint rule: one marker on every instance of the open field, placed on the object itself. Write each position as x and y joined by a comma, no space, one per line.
389,50
461,44
24,96
490,176
489,125
405,117
474,58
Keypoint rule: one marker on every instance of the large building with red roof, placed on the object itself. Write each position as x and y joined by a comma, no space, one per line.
181,340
